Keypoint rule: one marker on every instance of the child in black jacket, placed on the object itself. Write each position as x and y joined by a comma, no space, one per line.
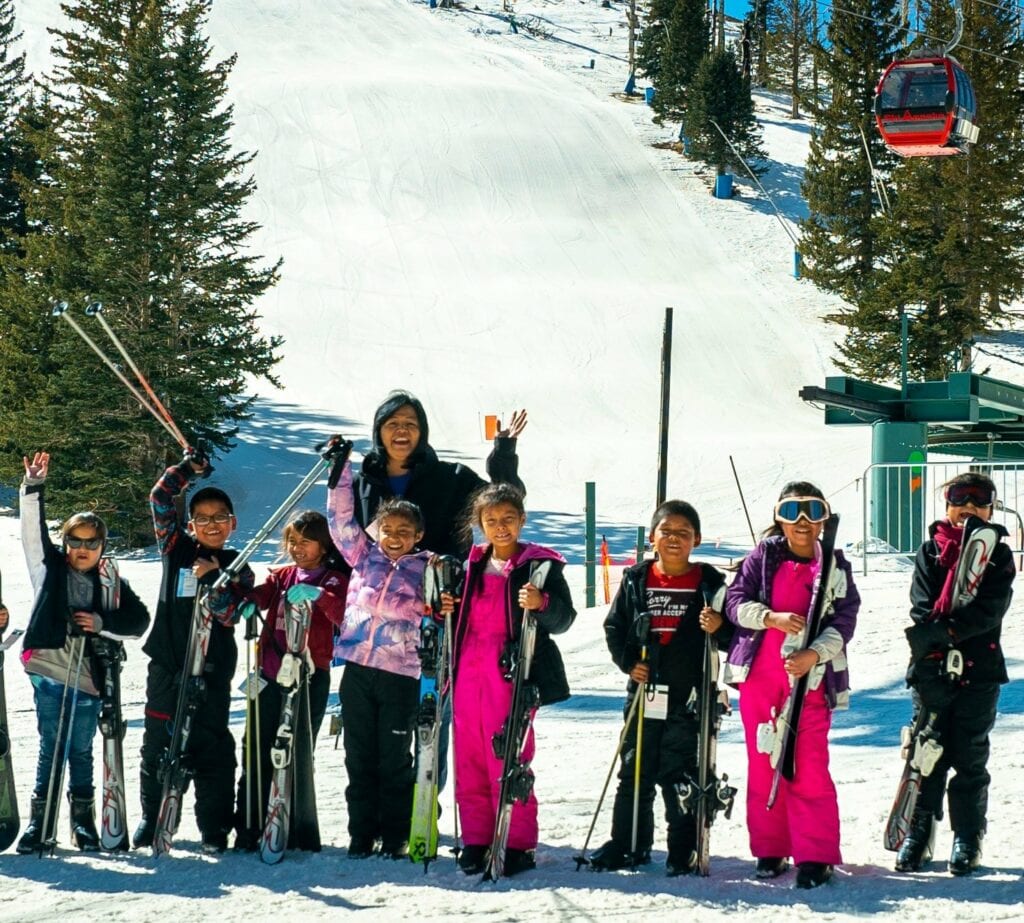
193,552
966,705
663,607
78,597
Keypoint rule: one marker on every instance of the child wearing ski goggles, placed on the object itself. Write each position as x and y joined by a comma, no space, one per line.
959,627
976,495
770,603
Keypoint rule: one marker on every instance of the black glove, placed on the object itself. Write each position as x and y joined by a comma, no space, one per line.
928,638
933,684
196,455
336,449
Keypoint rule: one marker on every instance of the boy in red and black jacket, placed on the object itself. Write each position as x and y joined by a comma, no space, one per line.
664,608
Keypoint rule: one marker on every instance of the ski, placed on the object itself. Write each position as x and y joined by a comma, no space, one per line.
293,678
783,755
175,770
443,574
708,794
114,814
9,819
921,747
508,743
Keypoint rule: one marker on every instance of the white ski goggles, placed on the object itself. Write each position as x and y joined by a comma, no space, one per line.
791,509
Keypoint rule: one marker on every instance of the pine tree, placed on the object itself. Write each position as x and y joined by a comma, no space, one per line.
789,47
839,238
15,155
953,240
719,94
143,196
651,43
686,44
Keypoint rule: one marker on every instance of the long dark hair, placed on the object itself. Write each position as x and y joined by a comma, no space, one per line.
487,496
376,460
313,525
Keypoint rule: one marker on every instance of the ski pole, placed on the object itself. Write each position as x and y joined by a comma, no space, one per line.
641,694
327,458
60,309
743,501
95,309
582,859
49,838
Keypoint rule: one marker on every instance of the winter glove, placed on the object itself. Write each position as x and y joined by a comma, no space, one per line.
336,449
303,593
196,455
933,684
927,638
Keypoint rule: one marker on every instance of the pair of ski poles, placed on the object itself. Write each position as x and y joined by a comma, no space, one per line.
636,711
149,400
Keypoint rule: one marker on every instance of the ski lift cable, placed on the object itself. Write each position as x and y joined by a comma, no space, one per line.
823,4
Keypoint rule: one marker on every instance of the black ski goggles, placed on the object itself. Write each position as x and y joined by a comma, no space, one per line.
976,494
91,543
791,509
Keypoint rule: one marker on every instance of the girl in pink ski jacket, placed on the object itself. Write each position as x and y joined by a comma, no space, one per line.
380,685
487,624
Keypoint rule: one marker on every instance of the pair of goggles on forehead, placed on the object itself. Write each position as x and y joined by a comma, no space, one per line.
792,509
976,494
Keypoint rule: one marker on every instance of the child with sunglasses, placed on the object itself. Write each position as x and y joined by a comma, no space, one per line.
78,597
966,704
769,602
192,553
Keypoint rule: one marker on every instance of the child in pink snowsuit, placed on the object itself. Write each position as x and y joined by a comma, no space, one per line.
769,603
489,620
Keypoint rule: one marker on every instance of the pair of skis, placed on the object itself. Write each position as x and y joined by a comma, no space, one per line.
708,794
443,574
291,819
921,747
175,770
509,742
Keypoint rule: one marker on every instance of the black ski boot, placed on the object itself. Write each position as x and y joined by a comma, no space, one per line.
918,846
144,833
83,823
32,838
966,855
812,874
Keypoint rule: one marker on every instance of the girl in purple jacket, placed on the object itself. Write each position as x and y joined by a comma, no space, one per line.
769,602
380,685
489,618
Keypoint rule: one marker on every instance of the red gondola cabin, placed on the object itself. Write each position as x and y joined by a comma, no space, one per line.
926,107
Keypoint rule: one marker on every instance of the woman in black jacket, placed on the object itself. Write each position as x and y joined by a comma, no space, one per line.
402,463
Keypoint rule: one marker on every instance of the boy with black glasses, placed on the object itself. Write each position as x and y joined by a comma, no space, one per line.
193,552
78,596
966,704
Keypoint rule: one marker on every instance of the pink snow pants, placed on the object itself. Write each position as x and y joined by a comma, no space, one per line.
804,821
482,699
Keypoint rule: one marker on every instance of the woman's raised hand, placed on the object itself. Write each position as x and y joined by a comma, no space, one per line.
515,426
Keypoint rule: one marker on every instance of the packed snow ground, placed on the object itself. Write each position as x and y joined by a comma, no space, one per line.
474,214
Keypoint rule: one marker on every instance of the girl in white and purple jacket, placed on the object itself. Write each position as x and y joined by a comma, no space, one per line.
380,685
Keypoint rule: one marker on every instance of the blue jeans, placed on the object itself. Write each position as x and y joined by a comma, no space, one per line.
82,725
